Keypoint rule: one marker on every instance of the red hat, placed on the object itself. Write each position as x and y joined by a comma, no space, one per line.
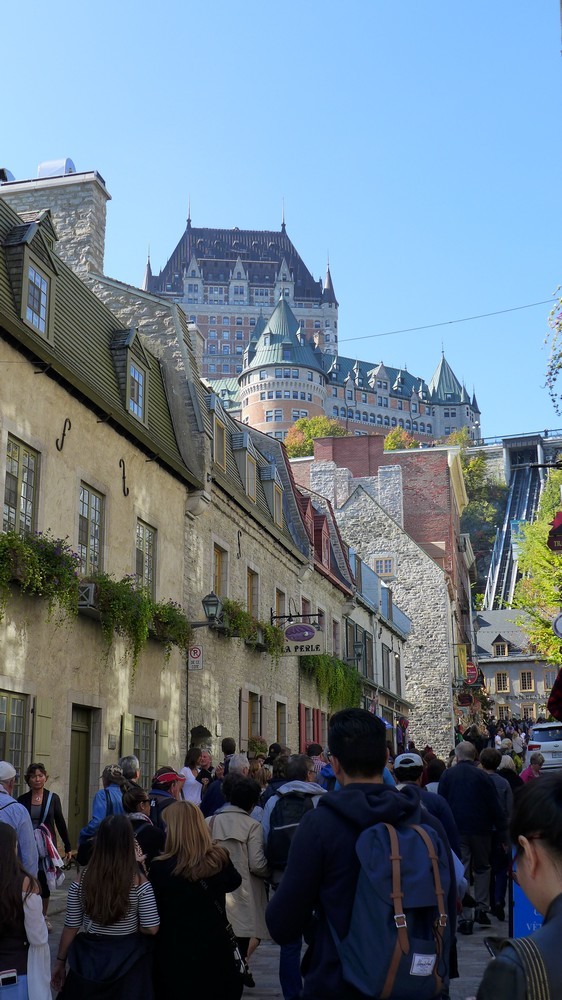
167,775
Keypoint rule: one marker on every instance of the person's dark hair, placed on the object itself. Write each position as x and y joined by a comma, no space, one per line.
298,767
133,797
228,745
32,768
435,769
192,757
11,879
314,749
110,875
241,792
408,773
358,740
274,749
490,759
279,766
537,810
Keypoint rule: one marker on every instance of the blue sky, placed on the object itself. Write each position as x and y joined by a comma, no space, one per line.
417,143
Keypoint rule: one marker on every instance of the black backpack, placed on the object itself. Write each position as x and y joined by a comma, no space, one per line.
283,821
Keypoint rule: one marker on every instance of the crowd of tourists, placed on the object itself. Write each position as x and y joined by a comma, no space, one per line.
374,862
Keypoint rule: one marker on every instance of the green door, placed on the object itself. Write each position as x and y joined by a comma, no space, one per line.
78,794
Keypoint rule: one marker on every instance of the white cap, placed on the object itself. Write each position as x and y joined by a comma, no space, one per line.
7,771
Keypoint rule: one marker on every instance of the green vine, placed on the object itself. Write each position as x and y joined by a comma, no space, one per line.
41,565
239,622
125,608
171,626
336,681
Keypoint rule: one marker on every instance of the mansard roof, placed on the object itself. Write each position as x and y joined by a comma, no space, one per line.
217,251
444,384
364,373
280,335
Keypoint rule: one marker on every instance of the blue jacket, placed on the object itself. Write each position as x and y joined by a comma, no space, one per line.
321,877
100,810
17,816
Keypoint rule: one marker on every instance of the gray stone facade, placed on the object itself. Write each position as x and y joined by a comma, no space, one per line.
419,589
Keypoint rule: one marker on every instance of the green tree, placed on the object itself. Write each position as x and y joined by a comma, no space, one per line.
539,592
398,438
300,438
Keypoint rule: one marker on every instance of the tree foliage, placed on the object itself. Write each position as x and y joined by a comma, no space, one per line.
486,503
554,366
398,438
300,438
539,593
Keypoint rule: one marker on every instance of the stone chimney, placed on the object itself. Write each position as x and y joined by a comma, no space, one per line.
77,203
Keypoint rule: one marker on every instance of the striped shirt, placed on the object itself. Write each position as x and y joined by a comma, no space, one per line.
142,912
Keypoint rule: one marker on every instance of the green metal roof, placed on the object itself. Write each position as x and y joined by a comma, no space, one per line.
280,343
444,383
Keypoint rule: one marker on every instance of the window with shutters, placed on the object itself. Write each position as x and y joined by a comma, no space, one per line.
145,556
13,733
281,722
254,714
143,748
220,571
20,488
252,592
90,530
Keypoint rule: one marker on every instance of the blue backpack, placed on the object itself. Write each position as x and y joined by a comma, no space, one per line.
398,941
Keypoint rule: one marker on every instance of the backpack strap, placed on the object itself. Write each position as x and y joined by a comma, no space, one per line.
535,969
46,807
441,922
108,803
402,946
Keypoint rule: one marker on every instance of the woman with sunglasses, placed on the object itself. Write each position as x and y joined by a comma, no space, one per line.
536,834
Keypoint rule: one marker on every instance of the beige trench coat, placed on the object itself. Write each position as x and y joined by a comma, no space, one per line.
242,837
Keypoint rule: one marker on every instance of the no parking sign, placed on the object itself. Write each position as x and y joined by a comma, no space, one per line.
195,658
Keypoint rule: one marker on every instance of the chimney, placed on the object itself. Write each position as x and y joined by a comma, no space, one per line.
77,202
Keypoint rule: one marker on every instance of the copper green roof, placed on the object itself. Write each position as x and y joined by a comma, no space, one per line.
444,385
280,343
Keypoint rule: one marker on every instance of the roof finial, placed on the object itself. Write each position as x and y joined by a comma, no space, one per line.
189,211
283,227
442,349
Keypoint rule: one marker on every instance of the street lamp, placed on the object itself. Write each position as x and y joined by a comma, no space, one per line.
212,606
357,654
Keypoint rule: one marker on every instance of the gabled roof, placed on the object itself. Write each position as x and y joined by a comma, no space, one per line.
217,250
281,334
444,382
79,353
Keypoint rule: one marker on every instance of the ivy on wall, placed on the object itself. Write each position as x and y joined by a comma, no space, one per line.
336,681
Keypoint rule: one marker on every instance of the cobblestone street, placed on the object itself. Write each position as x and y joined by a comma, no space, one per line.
473,957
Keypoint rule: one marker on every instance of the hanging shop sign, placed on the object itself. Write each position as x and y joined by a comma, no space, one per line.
471,673
302,639
554,540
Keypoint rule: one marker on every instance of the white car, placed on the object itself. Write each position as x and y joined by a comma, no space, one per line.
546,738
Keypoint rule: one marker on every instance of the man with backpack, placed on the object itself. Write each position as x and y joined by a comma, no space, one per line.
369,881
282,814
166,788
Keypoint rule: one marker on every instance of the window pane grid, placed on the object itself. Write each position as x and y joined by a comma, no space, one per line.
90,528
136,391
143,749
12,732
145,555
37,290
20,488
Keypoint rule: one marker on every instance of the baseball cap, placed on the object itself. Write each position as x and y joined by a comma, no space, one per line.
165,776
7,771
408,760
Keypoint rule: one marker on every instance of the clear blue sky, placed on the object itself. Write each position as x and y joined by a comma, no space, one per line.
418,142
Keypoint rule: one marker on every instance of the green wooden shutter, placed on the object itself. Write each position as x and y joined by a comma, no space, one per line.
127,734
244,717
42,730
162,751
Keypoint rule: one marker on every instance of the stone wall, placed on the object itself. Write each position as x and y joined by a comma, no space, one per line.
420,590
77,203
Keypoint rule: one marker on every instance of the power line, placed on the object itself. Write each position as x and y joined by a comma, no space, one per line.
449,322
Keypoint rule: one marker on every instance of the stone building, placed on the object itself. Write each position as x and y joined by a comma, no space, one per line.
246,530
90,452
403,521
517,681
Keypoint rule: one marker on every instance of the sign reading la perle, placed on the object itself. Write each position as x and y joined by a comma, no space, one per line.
302,639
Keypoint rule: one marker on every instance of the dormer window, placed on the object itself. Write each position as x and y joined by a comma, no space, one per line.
37,299
500,649
220,444
278,507
136,390
251,477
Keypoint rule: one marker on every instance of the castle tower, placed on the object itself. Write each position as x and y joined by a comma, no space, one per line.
283,378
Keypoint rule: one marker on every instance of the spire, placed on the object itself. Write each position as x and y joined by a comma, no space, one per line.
328,294
189,212
147,281
475,406
444,384
283,227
